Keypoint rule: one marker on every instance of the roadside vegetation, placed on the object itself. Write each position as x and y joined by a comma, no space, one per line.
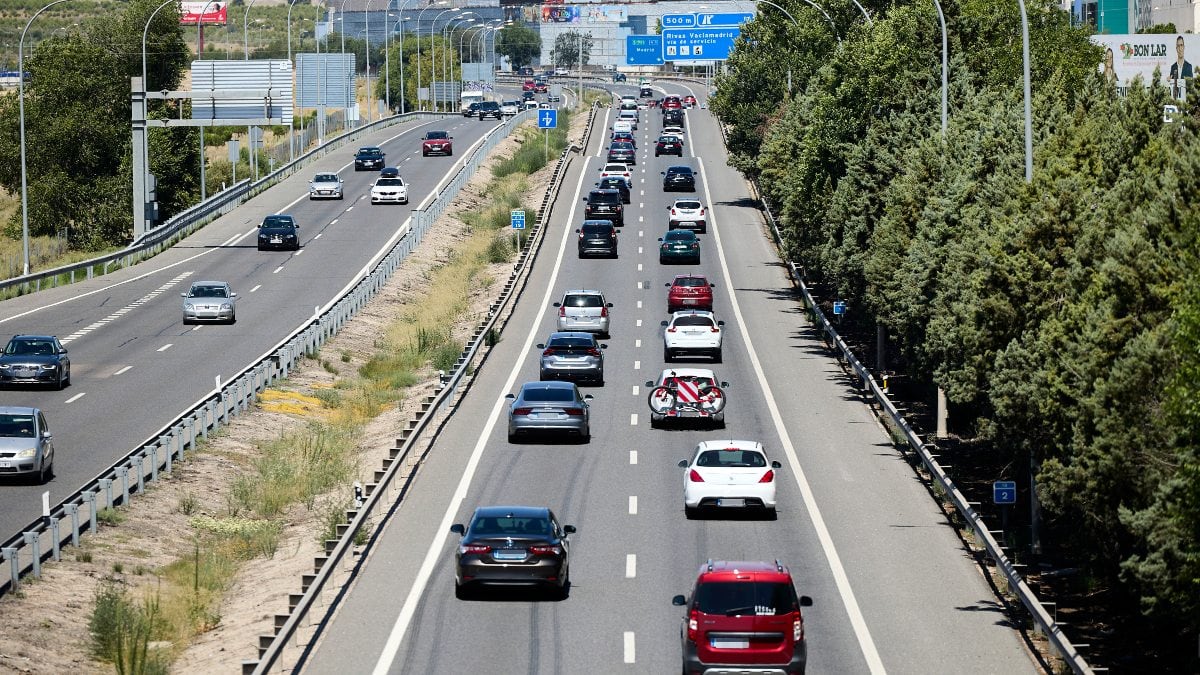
1060,317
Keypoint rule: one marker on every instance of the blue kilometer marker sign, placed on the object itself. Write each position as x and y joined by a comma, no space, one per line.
1004,492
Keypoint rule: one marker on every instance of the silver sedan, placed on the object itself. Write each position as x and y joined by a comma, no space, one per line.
572,356
549,407
209,301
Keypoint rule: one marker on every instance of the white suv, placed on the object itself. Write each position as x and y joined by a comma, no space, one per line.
692,332
584,310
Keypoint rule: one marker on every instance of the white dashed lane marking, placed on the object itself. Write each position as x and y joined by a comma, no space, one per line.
633,419
630,568
165,347
637,365
277,270
639,304
76,397
256,288
633,505
639,323
637,342
633,456
629,650
636,389
125,369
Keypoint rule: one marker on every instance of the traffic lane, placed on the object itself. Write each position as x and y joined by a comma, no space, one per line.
855,483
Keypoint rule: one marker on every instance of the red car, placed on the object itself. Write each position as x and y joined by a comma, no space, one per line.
528,85
689,101
689,291
743,616
437,143
671,102
540,87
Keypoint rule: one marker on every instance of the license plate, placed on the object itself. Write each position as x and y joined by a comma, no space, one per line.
729,643
689,302
276,240
731,502
509,555
5,465
688,223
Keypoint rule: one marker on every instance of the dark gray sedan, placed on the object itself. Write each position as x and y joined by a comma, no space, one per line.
513,546
549,407
573,356
35,359
620,151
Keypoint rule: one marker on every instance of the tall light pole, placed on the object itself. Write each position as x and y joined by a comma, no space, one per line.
353,68
419,15
433,55
945,68
387,57
200,55
367,32
794,23
21,106
246,29
448,37
1028,112
143,148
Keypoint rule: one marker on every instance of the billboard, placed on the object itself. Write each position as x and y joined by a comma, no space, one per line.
604,14
560,14
210,13
273,76
1126,56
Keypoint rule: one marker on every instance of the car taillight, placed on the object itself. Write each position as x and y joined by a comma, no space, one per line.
696,245
522,411
593,352
549,351
581,235
702,211
545,550
562,311
474,549
671,329
767,477
693,625
797,630
695,477
574,412
603,311
715,329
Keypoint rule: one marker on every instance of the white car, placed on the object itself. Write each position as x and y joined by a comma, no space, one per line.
673,130
723,474
696,397
561,71
391,190
618,170
688,214
692,331
622,126
531,104
509,108
325,186
630,116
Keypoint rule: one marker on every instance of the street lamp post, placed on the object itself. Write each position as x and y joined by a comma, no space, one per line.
21,106
433,55
945,67
353,69
448,36
199,55
419,15
1028,112
246,29
387,57
291,130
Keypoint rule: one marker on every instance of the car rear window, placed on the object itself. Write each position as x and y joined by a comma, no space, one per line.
679,171
731,457
687,205
563,342
604,197
691,281
583,301
694,321
598,228
731,598
505,525
668,139
549,394
622,145
679,235
386,182
695,379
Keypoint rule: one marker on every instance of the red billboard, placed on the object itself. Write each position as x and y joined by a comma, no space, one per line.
215,13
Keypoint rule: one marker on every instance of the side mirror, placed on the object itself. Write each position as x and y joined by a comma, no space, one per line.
578,230
712,285
680,601
233,295
805,601
541,346
724,385
510,397
720,323
587,397
776,465
667,284
63,350
569,529
183,295
649,383
660,238
663,323
458,529
682,464
47,435
603,346
609,305
558,304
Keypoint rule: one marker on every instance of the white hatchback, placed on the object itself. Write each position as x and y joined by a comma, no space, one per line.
729,474
622,126
617,170
692,332
688,214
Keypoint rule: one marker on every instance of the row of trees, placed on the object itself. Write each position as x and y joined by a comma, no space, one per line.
1062,316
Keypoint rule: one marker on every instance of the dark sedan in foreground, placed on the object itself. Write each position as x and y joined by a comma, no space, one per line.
513,546
549,407
35,359
279,232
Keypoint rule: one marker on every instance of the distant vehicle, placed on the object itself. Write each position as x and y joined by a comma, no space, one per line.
325,186
689,214
668,145
549,407
605,205
620,170
672,117
370,157
624,137
679,246
621,151
689,291
510,108
561,71
617,184
279,231
584,310
26,445
622,126
389,191
466,98
618,77
540,87
531,104
689,101
528,96
725,474
673,130
209,301
471,109
646,92
525,71
597,237
490,109
575,356
528,84
553,97
687,393
671,102
35,359
512,546
692,331
733,600
679,178
437,143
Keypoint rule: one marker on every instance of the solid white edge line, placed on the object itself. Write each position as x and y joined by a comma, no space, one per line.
865,641
400,627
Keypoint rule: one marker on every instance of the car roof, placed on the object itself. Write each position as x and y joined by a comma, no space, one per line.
369,148
680,234
571,334
739,444
549,384
687,372
17,410
209,283
583,291
24,336
514,511
690,276
599,222
604,191
744,570
615,165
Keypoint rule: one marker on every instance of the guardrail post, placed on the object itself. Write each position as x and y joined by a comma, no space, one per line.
89,498
56,546
34,541
204,423
106,485
141,469
14,565
73,511
163,442
123,473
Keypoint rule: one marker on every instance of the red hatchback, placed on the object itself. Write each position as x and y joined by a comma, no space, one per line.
689,291
689,101
745,617
671,102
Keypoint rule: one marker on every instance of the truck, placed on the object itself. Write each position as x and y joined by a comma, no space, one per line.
468,97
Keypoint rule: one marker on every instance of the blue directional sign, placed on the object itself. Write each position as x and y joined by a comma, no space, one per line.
678,20
643,50
732,19
518,219
839,307
547,118
1004,492
698,44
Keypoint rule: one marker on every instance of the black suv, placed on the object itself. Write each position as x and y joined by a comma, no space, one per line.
489,109
606,205
618,184
279,231
471,109
597,237
679,178
646,92
370,157
668,145
672,116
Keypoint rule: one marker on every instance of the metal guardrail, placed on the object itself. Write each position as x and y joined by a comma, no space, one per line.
24,553
297,631
186,222
1043,621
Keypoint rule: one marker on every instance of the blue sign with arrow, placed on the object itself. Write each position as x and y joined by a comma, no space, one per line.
643,50
547,118
731,19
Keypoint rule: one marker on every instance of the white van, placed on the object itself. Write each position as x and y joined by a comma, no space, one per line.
468,97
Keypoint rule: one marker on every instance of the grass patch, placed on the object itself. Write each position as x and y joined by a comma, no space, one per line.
109,516
295,469
188,503
121,630
535,151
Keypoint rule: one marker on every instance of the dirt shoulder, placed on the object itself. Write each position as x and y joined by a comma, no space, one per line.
44,627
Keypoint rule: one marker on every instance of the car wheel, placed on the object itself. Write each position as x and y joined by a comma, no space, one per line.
449,153
772,514
62,382
68,375
424,154
689,512
655,422
512,438
41,478
586,436
460,591
717,356
341,197
232,319
666,355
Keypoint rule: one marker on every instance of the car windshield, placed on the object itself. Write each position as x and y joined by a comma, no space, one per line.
583,301
694,321
668,139
687,205
691,281
370,152
30,348
510,525
679,235
326,178
277,221
16,425
535,394
731,457
437,135
385,182
208,292
731,598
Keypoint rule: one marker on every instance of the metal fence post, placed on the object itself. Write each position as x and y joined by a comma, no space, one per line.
33,540
73,511
106,485
89,498
54,541
123,473
14,565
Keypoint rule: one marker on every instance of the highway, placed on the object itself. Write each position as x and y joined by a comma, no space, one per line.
135,366
893,588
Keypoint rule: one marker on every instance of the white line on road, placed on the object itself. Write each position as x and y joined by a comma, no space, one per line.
300,251
640,250
319,235
334,221
277,270
256,288
631,558
637,342
639,264
392,647
633,456
629,646
76,397
637,365
633,505
641,233
639,304
639,322
636,389
633,419
165,347
859,624
125,369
